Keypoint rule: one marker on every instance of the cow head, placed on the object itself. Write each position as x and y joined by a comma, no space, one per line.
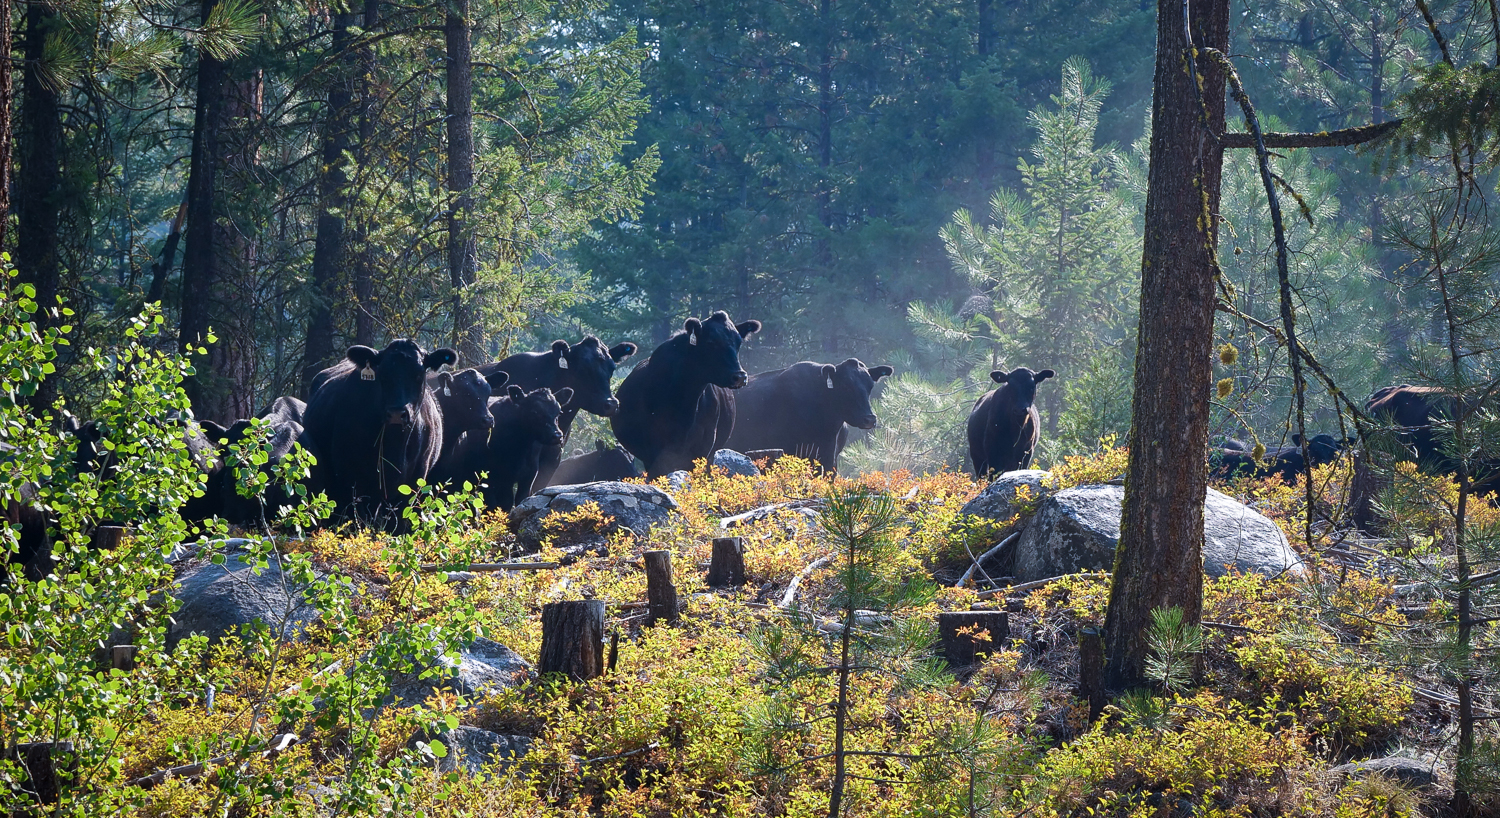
399,372
587,367
537,412
713,348
464,398
1323,449
1021,382
846,391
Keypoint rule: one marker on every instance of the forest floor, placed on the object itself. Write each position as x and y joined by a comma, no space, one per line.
730,710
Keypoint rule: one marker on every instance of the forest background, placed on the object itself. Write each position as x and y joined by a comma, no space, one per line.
947,187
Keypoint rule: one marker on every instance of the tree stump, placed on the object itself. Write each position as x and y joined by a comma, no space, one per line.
122,657
46,767
962,642
661,595
728,566
573,639
1091,670
107,537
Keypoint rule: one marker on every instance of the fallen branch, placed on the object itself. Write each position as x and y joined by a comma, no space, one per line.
791,590
192,772
964,580
1031,586
434,567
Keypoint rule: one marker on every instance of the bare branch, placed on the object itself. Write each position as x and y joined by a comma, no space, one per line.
1343,138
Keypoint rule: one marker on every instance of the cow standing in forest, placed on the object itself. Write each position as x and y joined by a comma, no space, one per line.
1232,461
802,409
587,368
374,425
1004,426
463,399
507,456
678,406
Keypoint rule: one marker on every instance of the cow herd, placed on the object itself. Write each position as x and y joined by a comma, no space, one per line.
380,420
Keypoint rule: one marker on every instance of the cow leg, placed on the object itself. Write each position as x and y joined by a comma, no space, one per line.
548,460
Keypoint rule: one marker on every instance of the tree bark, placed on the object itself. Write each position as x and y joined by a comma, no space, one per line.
661,594
200,268
463,251
333,205
727,566
38,186
7,99
363,268
1159,562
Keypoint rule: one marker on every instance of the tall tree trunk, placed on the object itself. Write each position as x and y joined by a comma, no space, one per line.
1159,562
363,269
38,188
463,251
333,205
7,98
200,258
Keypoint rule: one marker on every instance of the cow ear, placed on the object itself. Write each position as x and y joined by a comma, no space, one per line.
619,352
1296,439
878,372
436,358
563,395
1043,375
497,379
445,380
361,356
692,325
515,393
560,349
998,376
70,425
748,328
829,370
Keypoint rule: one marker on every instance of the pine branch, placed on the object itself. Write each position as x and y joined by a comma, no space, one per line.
1343,138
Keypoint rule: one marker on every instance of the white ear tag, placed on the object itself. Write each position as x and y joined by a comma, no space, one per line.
367,374
830,383
562,363
693,338
446,391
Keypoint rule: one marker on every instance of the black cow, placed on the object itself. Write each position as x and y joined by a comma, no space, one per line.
604,463
92,456
1283,461
524,421
585,367
30,526
677,405
374,425
802,409
463,398
285,409
285,432
1004,426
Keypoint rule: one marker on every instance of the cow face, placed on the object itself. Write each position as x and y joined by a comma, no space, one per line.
399,372
1323,449
589,369
537,412
847,389
465,399
1022,383
714,348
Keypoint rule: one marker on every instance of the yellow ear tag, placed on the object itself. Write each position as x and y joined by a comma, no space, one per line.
562,363
693,338
367,374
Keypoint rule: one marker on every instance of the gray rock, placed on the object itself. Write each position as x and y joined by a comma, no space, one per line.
998,500
632,506
679,480
472,750
218,599
1414,773
1077,530
483,667
735,463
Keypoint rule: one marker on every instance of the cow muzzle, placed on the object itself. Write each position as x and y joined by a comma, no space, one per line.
866,422
740,379
611,408
399,416
557,438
